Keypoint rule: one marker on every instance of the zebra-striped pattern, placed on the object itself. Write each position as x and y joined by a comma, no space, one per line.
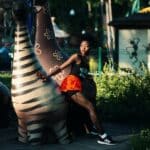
36,103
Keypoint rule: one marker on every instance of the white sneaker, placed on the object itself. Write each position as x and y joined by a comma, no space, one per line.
105,139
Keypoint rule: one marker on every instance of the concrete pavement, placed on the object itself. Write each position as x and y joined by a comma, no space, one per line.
120,132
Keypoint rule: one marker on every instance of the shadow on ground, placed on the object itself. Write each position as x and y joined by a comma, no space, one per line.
120,133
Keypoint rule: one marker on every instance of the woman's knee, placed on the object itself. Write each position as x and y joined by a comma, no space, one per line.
81,100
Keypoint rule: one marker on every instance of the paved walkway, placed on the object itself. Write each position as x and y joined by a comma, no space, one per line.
121,133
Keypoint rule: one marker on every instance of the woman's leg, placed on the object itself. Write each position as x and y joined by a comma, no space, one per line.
82,101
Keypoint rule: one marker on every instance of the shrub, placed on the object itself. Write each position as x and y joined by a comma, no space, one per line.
123,97
141,141
5,77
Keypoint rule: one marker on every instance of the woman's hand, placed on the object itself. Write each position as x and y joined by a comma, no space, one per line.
42,76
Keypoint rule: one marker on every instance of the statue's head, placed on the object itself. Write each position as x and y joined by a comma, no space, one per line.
40,2
19,11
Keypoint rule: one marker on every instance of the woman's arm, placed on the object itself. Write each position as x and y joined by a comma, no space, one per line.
68,62
58,69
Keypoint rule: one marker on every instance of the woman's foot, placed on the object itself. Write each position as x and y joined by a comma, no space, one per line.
93,131
105,139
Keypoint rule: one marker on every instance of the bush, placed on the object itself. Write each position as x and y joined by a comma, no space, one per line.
5,77
141,141
123,97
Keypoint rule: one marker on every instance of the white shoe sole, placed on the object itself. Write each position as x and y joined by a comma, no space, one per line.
104,143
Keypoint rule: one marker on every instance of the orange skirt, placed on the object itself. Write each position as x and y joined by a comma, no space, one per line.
71,83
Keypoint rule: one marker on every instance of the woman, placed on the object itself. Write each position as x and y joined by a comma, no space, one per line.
72,86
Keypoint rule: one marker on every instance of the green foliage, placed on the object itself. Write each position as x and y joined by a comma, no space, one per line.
122,1
87,15
141,141
73,24
5,77
123,97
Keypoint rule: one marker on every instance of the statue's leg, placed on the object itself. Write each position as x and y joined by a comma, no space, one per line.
22,131
35,128
60,129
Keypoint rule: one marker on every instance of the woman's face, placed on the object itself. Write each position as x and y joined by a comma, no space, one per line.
84,47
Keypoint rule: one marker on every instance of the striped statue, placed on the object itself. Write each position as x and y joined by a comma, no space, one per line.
38,105
46,48
51,56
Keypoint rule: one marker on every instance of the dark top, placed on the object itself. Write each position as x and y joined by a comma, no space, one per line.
80,70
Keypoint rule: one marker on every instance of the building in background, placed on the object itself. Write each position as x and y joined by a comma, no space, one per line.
132,47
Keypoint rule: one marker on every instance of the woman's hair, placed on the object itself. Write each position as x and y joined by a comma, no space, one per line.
87,40
93,41
79,52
